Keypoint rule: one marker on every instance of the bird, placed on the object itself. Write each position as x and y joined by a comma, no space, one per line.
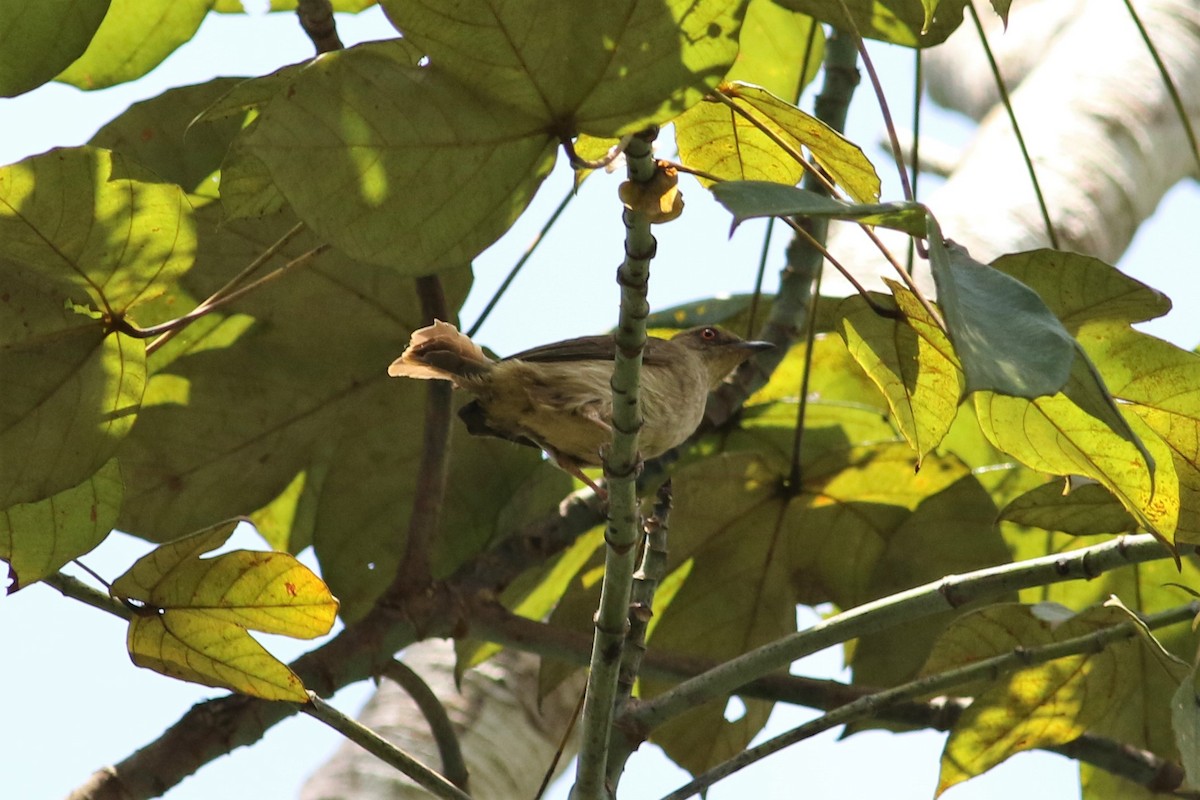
558,396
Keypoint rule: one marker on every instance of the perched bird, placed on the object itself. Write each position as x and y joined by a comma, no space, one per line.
558,396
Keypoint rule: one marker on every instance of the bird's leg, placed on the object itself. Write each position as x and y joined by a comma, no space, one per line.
571,467
592,414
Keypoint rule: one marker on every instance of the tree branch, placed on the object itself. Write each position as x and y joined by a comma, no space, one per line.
316,18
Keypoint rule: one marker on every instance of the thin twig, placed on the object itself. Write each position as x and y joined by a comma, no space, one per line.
1012,117
381,748
202,310
758,279
548,775
512,273
886,111
1172,89
454,767
914,156
795,477
578,162
78,590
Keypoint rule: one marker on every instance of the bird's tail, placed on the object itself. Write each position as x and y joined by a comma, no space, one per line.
440,352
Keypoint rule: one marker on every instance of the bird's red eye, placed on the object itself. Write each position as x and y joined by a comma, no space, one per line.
709,334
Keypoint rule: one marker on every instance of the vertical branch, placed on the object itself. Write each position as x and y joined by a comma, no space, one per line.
316,18
414,571
620,468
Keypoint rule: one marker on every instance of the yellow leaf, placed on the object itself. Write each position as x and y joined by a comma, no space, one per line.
195,613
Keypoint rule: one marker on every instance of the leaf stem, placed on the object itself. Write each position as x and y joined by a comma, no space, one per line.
1012,117
449,749
381,748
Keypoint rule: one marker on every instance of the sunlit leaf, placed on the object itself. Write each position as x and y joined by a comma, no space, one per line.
1160,383
911,361
37,40
1082,511
1005,337
134,38
1046,704
37,539
195,613
606,69
754,199
341,6
897,21
1081,289
771,39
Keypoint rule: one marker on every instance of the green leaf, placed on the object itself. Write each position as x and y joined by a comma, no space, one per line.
196,613
1005,337
37,40
355,140
71,389
771,38
842,160
1054,435
134,38
1046,704
1001,8
753,199
1084,510
156,133
607,69
340,6
904,22
1080,289
912,363
1157,382
272,385
80,216
37,539
1185,721
949,533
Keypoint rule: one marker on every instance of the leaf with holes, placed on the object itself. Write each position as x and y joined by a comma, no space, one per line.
194,613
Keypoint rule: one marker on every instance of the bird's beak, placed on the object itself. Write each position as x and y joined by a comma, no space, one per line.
755,347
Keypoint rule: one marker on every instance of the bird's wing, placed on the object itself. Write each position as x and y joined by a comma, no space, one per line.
587,348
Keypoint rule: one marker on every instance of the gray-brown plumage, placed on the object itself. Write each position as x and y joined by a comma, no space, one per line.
558,396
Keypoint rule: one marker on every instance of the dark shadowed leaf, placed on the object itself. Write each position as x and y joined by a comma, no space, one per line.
754,199
1005,337
1084,510
896,21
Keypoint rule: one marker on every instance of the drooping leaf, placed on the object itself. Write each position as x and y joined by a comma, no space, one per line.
1006,339
355,142
37,539
1001,8
1084,510
754,199
771,40
134,38
195,613
1046,704
911,361
38,40
158,134
606,70
904,22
